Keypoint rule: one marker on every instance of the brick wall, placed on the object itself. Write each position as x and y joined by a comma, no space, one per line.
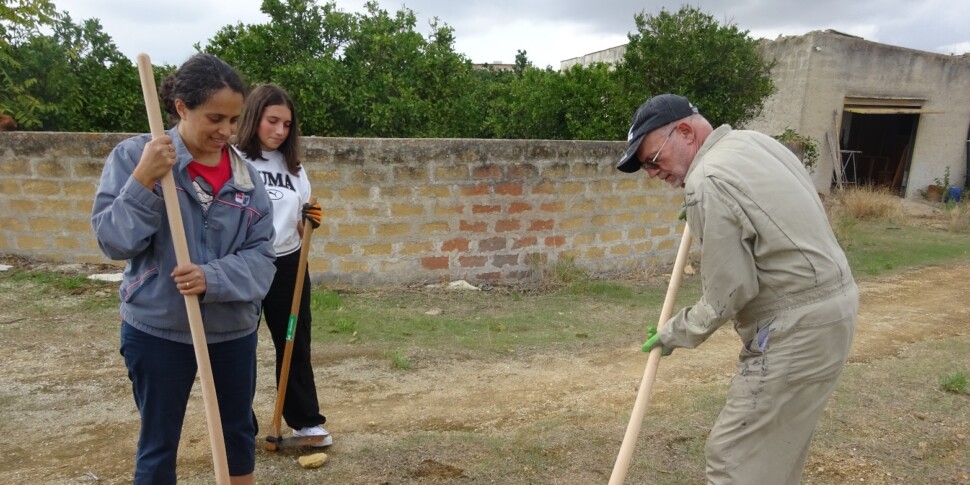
395,210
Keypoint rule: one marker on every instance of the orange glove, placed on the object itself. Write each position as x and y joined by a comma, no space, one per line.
313,213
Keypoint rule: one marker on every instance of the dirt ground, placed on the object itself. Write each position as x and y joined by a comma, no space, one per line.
68,415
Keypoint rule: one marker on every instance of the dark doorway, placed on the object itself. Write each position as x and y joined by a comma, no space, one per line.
876,148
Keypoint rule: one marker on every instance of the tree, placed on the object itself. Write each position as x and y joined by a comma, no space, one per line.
532,105
77,79
717,67
298,31
106,94
397,83
596,109
20,19
373,74
522,62
455,109
368,74
581,103
299,50
384,74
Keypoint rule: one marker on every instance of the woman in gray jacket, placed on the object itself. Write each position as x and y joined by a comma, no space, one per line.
229,230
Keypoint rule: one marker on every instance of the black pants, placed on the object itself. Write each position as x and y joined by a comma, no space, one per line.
300,407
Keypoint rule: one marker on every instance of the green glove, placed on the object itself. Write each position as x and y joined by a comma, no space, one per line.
653,340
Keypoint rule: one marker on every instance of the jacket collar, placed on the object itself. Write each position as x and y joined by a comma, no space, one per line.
240,171
241,178
709,143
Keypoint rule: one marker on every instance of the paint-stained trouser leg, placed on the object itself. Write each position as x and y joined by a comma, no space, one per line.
762,435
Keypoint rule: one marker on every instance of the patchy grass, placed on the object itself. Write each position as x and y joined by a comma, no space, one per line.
894,422
957,216
325,300
399,360
63,289
955,383
549,276
877,247
525,386
866,203
849,207
496,321
877,238
72,283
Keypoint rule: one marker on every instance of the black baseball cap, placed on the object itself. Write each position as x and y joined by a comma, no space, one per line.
656,112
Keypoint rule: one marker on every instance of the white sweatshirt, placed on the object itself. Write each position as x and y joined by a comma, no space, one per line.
288,193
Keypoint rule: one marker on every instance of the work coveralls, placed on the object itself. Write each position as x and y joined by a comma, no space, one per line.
770,261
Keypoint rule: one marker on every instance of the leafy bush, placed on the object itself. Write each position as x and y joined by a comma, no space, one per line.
801,143
945,181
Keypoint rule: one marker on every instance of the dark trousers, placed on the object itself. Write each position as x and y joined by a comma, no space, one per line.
301,408
162,373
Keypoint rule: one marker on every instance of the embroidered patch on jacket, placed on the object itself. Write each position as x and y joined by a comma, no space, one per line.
242,199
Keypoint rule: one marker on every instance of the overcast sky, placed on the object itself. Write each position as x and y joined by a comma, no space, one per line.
548,30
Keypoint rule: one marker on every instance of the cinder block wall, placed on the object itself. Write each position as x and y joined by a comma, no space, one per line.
395,210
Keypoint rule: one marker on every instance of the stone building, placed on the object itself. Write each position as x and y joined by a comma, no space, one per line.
882,115
608,56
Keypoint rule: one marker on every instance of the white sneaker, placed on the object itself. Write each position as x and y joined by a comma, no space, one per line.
315,431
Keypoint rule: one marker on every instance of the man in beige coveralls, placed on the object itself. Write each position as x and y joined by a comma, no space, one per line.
770,261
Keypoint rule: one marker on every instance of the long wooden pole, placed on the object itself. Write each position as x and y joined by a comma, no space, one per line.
169,193
650,373
273,440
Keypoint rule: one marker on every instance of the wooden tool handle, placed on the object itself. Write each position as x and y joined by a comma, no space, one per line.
273,440
653,362
170,194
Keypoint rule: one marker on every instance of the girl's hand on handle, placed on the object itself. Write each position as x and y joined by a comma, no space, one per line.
313,213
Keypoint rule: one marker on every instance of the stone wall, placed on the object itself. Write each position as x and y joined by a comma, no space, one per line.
395,210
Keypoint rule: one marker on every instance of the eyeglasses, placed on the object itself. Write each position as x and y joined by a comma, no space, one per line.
652,164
